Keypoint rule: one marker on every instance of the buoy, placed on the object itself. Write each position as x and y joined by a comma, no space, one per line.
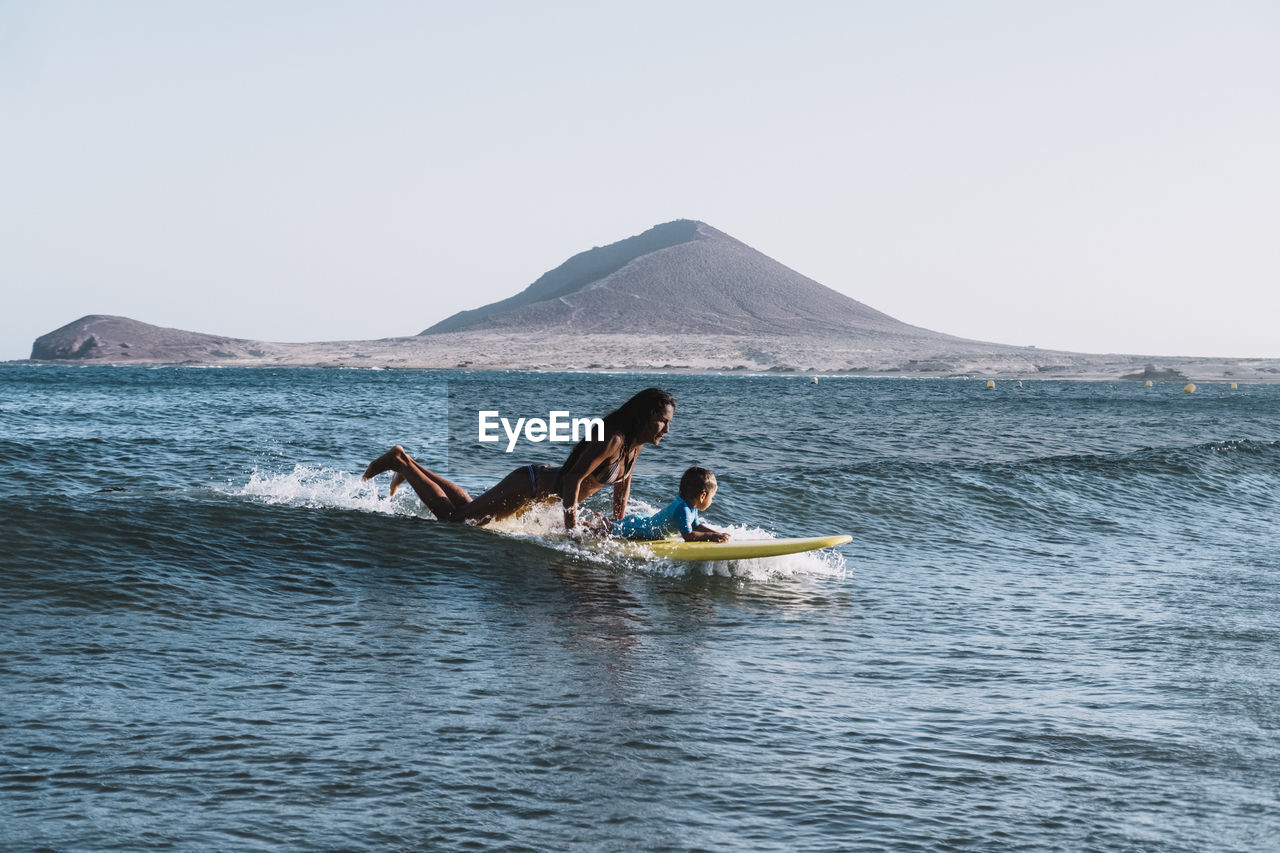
991,383
1019,383
1233,386
1191,388
1148,383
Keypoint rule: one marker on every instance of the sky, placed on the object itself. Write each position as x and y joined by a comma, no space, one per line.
1088,176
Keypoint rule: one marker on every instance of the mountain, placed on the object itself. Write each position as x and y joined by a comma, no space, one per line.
682,277
101,337
680,296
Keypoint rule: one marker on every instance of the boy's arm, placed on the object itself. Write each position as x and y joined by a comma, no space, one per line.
702,533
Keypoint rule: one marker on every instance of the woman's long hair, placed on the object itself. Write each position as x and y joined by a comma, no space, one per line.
627,419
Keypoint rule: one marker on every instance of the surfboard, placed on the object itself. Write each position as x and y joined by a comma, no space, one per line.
734,549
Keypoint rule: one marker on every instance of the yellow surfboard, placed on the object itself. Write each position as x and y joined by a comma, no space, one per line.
734,549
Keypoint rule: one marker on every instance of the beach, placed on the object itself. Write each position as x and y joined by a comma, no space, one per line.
868,354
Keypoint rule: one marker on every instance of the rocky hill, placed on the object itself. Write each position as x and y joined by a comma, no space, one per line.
682,277
101,337
680,296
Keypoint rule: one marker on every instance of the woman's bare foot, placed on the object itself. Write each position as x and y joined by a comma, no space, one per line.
395,484
389,461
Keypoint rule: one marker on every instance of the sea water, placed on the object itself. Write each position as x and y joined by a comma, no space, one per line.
1057,625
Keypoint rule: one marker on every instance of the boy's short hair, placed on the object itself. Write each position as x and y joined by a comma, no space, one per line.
696,481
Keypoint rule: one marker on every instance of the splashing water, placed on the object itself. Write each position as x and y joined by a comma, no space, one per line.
312,487
328,488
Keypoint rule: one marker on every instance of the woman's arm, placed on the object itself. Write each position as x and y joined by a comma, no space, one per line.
571,483
621,492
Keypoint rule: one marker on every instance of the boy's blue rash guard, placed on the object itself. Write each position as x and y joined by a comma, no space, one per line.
675,517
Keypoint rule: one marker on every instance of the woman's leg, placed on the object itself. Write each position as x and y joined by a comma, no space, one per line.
456,494
449,502
430,492
513,493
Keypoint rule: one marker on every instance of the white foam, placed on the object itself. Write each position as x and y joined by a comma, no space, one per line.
313,487
324,487
545,523
826,563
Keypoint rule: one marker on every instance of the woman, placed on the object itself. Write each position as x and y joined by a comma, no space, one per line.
592,465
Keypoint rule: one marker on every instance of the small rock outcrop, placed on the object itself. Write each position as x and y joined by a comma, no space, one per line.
102,337
1155,374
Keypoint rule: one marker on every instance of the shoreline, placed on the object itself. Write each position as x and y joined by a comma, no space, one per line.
113,341
793,373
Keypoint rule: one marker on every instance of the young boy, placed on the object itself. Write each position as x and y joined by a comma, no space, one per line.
697,488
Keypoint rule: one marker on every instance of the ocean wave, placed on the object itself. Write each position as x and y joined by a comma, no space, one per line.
313,487
1221,490
1241,452
1253,453
1212,470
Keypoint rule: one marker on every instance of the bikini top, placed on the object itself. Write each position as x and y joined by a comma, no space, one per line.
608,471
612,475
